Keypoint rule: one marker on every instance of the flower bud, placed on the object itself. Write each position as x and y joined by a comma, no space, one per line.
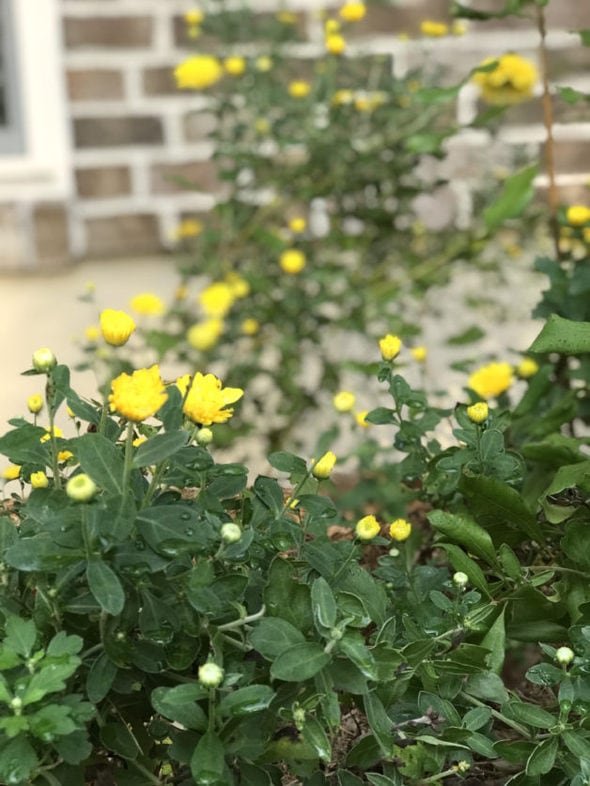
204,436
230,533
116,327
564,655
210,675
44,360
389,346
460,579
39,480
322,468
479,412
343,401
16,705
35,403
400,530
367,528
81,488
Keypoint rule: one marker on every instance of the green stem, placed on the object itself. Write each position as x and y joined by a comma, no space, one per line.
440,776
128,458
558,569
149,775
243,620
211,714
160,469
294,492
498,715
52,440
345,564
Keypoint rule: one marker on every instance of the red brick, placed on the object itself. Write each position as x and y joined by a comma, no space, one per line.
102,182
118,131
95,84
122,235
117,32
187,176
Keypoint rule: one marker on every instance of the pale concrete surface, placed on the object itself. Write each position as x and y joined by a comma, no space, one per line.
44,311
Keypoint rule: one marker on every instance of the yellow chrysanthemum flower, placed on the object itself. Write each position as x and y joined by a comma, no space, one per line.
190,227
367,528
344,401
217,299
207,400
234,66
400,530
331,26
194,17
527,368
299,89
198,72
12,472
390,347
92,333
35,403
250,327
479,412
147,304
116,327
292,261
138,396
39,480
297,225
353,11
342,97
578,215
510,82
204,335
335,44
491,380
239,286
419,354
263,64
322,468
433,29
361,418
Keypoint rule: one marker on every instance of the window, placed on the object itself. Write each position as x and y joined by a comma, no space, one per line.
11,136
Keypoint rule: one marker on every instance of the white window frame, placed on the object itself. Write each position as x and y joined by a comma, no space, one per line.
42,170
11,140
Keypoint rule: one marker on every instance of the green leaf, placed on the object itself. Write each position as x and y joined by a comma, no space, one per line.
62,644
572,96
530,714
100,678
23,445
244,701
269,493
561,498
461,562
287,462
300,662
381,416
476,718
82,409
180,704
20,635
542,759
323,602
315,734
117,737
172,529
585,36
487,686
159,447
360,655
564,336
105,586
466,532
468,336
17,759
53,720
273,635
576,743
286,598
379,721
509,562
102,460
50,679
495,641
74,748
516,194
544,674
208,760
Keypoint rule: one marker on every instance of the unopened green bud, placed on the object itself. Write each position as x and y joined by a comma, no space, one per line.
564,655
299,717
44,360
210,675
336,634
231,533
81,488
16,705
204,436
460,579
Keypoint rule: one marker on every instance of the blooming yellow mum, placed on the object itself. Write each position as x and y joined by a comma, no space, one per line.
361,418
234,66
35,403
138,396
335,44
207,400
194,17
419,354
390,346
299,89
263,64
147,304
217,299
477,413
292,261
190,227
491,380
198,72
367,528
433,29
342,97
322,468
527,368
12,472
578,215
116,327
39,480
344,401
238,285
510,82
400,530
297,225
92,333
353,11
250,327
204,335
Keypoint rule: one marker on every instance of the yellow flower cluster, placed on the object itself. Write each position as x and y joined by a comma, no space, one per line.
147,304
204,335
198,72
511,81
433,29
207,400
217,299
491,380
138,396
578,215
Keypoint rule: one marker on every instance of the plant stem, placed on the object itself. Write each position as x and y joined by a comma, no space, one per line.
128,458
548,120
243,620
513,724
144,771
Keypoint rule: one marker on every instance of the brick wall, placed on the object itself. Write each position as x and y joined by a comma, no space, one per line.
133,133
